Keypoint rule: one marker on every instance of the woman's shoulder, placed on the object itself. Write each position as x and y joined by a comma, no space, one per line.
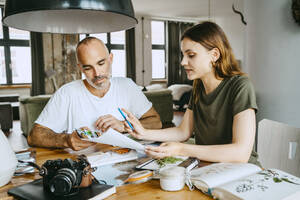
240,80
241,83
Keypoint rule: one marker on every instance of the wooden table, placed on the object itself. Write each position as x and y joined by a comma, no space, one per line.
148,190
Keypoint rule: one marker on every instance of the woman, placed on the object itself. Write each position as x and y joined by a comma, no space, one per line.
221,111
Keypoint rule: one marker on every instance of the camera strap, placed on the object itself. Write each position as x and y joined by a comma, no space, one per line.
30,164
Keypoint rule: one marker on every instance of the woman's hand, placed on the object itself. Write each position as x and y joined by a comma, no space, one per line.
139,132
164,150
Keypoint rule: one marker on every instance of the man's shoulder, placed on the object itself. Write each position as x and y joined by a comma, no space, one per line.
70,87
122,81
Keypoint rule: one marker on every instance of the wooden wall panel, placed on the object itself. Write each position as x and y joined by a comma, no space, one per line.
48,61
60,60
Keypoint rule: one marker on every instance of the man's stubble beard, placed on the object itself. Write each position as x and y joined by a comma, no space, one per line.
102,85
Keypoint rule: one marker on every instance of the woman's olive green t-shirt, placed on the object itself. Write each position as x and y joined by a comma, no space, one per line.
214,112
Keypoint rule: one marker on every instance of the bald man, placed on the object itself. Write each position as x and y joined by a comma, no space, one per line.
91,103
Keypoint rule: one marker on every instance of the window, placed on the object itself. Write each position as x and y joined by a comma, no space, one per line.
158,50
15,60
115,43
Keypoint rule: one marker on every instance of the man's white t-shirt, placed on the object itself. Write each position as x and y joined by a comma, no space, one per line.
73,106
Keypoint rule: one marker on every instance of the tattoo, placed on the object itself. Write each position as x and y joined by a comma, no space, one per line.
41,136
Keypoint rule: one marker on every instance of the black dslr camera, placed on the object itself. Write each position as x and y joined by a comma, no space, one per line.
64,177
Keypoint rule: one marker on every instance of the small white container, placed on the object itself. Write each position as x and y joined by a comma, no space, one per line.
172,178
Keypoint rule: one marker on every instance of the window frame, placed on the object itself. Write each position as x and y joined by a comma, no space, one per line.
111,46
161,47
7,43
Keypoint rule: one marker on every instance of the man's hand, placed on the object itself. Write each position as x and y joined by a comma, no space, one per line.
108,121
75,143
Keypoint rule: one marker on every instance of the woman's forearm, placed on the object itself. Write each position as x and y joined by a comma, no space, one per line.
174,134
217,153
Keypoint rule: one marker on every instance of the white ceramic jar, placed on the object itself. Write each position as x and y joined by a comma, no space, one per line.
8,160
172,178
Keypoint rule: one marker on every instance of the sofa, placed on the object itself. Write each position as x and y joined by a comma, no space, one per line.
32,106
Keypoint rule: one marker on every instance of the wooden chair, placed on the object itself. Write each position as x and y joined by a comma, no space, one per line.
275,143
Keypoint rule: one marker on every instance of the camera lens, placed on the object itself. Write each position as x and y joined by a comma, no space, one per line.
62,182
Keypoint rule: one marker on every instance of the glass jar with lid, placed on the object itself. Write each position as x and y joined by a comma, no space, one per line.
172,178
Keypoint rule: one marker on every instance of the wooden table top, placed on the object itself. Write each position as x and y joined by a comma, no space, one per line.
148,190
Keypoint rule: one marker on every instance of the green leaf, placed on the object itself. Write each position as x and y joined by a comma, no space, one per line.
167,160
277,180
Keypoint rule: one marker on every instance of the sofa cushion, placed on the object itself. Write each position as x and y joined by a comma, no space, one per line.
162,103
178,90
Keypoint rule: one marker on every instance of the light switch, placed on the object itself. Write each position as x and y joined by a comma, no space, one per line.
292,149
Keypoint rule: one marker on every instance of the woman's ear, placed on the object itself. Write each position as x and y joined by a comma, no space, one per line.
215,53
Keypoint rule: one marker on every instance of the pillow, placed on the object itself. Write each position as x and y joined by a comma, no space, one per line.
178,90
154,87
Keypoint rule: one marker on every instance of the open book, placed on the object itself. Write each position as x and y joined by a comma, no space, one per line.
245,181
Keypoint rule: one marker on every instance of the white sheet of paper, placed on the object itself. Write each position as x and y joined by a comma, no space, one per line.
115,138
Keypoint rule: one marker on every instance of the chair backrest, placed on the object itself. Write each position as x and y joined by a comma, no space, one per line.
279,146
30,108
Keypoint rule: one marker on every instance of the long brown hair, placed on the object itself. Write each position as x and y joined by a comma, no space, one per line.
211,36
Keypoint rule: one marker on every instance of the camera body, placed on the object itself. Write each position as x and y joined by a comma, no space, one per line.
64,177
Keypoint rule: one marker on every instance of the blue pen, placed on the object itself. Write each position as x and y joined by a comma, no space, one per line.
125,119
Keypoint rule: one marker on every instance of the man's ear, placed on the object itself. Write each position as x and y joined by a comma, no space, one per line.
215,53
111,57
80,68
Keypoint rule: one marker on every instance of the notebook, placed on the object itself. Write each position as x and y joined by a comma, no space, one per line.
34,191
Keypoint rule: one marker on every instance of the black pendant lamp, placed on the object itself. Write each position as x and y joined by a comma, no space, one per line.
69,16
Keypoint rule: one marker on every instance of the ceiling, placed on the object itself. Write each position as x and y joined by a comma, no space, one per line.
185,8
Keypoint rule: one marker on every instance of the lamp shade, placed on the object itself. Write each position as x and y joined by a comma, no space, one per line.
69,16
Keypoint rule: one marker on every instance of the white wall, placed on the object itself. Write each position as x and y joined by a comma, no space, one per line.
272,57
232,26
235,32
